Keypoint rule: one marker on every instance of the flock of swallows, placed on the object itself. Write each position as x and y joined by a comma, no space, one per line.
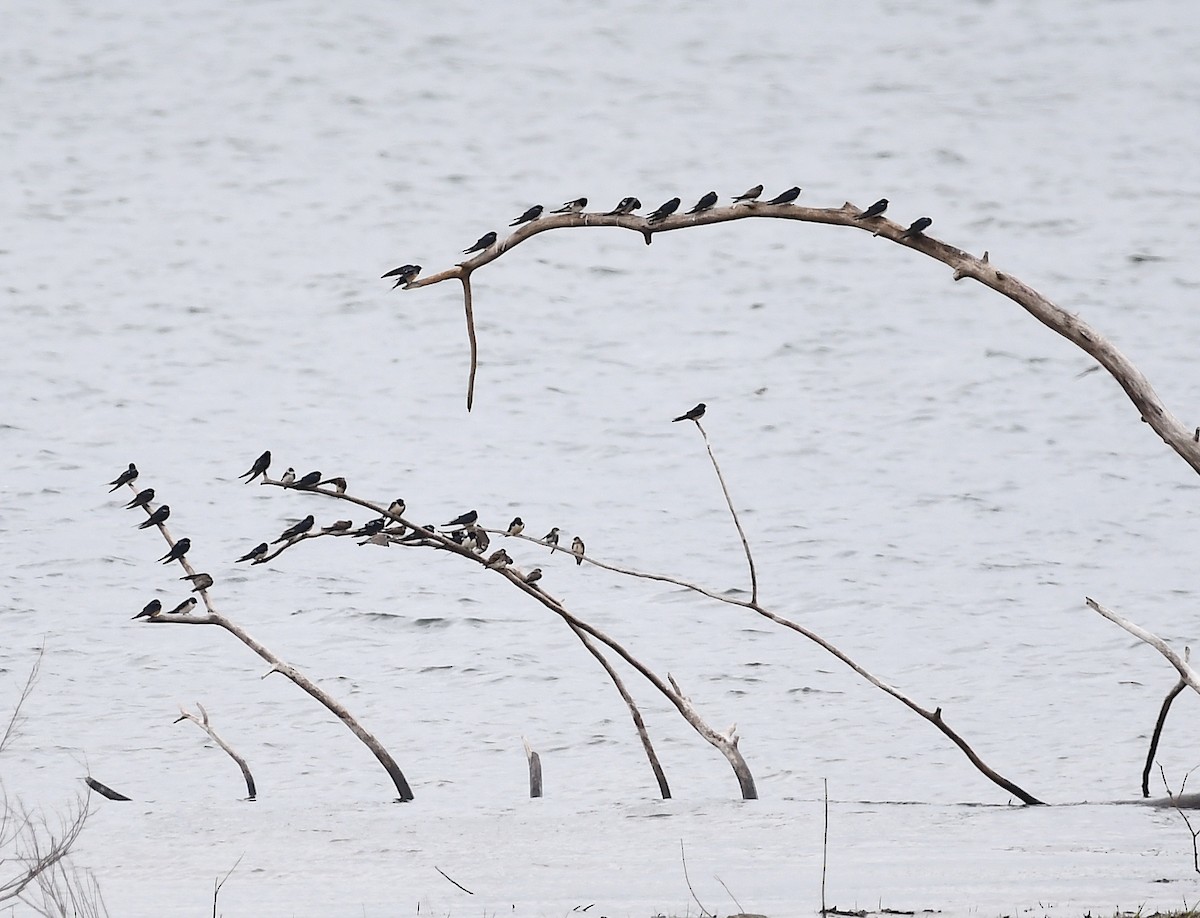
405,274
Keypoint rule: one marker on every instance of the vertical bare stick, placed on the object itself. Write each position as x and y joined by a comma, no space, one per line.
1158,726
732,512
687,879
470,311
217,886
825,848
535,769
203,724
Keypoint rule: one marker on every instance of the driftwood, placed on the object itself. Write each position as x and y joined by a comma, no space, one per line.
535,769
203,723
103,789
212,617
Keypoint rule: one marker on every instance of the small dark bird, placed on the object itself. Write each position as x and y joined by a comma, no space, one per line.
516,527
403,274
184,607
130,474
311,480
141,500
551,538
482,541
199,581
397,507
255,553
694,415
572,207
158,516
577,550
664,210
339,526
485,241
339,484
874,210
787,197
151,609
466,519
917,228
749,195
705,203
372,527
499,559
534,575
626,206
288,477
178,550
298,530
467,539
261,464
529,216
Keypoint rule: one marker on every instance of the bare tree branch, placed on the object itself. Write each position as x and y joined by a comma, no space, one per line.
732,512
1181,664
1158,727
203,723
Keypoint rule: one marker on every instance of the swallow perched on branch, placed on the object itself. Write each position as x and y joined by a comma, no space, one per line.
130,474
372,527
551,538
288,477
916,228
572,207
298,530
397,507
874,210
482,541
516,527
255,553
529,216
311,480
487,240
577,550
142,499
534,575
151,609
339,484
199,581
625,206
339,526
749,196
178,550
403,274
467,519
705,203
261,464
158,516
184,607
787,197
664,210
499,559
694,415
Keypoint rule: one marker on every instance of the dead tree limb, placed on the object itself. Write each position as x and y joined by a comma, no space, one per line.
203,723
1158,726
1188,675
535,769
733,513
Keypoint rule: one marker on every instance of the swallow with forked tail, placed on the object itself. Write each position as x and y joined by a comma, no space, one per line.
572,207
529,216
467,519
298,530
311,480
184,607
875,210
749,196
199,581
486,241
142,499
261,464
130,474
403,274
694,415
255,553
158,516
151,609
916,228
664,210
787,197
625,206
178,550
705,203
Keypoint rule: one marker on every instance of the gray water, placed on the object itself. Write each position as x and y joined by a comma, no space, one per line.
198,203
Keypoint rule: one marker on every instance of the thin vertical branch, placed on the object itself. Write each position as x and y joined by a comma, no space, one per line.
469,308
1158,726
825,848
732,512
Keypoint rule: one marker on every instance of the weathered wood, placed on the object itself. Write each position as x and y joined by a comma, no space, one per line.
203,723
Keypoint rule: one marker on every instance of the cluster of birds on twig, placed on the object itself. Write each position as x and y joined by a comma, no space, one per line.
405,274
157,516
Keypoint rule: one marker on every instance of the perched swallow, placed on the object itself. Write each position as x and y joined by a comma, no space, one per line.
516,527
403,274
158,516
419,535
184,607
577,550
372,527
261,464
482,541
664,210
130,474
705,203
288,477
178,550
199,581
141,500
151,609
529,216
397,507
749,196
499,559
534,575
467,539
339,484
551,538
298,530
787,197
627,206
466,519
339,526
917,228
874,210
311,480
255,553
487,240
694,415
572,207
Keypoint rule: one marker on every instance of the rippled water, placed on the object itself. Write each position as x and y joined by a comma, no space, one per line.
199,203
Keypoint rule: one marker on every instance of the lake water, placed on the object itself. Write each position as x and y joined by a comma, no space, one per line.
198,203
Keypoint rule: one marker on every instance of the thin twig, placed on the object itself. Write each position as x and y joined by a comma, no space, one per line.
469,309
683,857
455,882
732,512
14,720
1158,726
1186,821
731,895
217,886
825,846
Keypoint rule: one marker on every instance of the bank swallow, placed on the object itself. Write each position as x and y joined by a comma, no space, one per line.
158,516
397,507
141,500
487,240
466,519
694,415
403,274
705,203
199,581
551,538
516,527
787,197
311,480
534,575
130,474
184,607
339,526
298,530
749,196
255,553
151,609
178,550
664,210
577,550
917,228
288,477
572,207
529,216
482,540
339,484
874,210
499,559
261,464
627,206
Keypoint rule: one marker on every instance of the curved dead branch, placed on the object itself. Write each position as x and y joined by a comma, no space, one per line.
203,723
1158,727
